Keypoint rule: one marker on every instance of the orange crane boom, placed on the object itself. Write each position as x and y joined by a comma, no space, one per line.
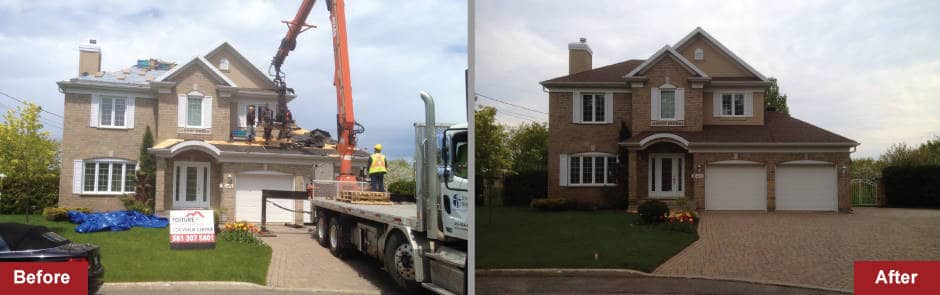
347,127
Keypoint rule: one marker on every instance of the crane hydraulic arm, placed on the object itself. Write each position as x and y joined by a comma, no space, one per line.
347,127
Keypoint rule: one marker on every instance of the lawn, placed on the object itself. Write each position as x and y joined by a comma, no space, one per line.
143,254
516,237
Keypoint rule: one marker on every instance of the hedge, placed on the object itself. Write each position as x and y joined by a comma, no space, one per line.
520,189
912,186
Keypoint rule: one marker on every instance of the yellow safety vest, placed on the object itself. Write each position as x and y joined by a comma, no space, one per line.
378,164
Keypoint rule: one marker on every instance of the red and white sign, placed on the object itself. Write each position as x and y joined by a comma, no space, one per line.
897,277
44,277
192,229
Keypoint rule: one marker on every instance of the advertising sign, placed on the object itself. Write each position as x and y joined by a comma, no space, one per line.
192,229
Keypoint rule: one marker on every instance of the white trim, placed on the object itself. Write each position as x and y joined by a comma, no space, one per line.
663,136
735,162
806,162
110,93
96,111
747,100
666,49
264,172
207,183
720,46
594,183
580,46
206,63
84,163
608,107
657,181
573,89
238,55
768,150
195,144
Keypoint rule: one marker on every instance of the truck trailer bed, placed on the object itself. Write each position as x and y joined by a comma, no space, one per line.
401,214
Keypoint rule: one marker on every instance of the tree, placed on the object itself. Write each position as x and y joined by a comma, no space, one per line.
30,159
773,98
931,150
900,154
399,170
866,168
528,145
491,153
146,187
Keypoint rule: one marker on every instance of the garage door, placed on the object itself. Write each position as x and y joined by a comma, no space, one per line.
248,198
806,188
736,187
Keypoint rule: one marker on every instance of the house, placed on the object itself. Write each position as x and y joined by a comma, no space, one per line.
194,109
699,130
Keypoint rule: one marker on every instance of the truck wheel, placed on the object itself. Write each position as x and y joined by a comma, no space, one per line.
337,238
399,262
322,233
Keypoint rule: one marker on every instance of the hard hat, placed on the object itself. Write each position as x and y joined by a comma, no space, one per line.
378,147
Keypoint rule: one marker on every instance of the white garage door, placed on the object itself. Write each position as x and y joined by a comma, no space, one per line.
806,188
248,198
736,187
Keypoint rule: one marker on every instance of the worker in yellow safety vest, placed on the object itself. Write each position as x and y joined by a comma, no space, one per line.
377,169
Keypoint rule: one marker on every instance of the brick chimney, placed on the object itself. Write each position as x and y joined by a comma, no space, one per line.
89,58
579,56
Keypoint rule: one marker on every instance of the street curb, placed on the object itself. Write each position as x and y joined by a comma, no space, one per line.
221,285
629,273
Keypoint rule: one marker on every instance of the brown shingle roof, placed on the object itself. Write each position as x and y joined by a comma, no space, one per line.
777,128
608,73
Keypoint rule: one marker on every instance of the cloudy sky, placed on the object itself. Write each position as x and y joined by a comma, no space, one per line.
396,50
867,70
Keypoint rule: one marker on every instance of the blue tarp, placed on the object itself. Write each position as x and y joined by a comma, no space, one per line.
114,221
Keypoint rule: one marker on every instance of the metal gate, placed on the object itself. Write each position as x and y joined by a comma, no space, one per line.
864,192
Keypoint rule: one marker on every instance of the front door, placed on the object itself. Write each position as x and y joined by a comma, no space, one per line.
191,185
666,175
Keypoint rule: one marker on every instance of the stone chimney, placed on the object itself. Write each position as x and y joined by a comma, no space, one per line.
579,56
89,58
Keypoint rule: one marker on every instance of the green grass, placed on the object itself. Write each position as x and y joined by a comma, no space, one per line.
143,254
514,237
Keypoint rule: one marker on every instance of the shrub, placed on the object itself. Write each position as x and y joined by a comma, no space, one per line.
652,211
912,186
131,203
240,232
60,213
402,188
521,188
551,204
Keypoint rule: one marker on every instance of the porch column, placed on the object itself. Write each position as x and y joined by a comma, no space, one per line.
698,180
160,185
632,180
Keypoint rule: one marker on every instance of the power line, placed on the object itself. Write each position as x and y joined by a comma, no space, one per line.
504,111
517,117
509,103
23,101
45,121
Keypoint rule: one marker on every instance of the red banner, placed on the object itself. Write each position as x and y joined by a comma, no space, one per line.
897,277
44,277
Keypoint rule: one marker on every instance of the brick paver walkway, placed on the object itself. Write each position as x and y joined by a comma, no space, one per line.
815,249
298,261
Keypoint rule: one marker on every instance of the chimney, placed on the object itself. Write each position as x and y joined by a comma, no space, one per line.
579,56
89,58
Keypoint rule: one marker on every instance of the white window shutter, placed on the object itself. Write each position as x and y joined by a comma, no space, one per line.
563,170
181,107
207,112
716,103
95,101
131,102
77,172
654,104
576,101
749,104
242,115
609,107
680,103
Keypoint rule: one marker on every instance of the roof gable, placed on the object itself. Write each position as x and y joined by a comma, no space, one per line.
200,62
666,51
241,69
691,37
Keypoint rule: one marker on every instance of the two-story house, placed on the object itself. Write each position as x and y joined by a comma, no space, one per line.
192,110
699,130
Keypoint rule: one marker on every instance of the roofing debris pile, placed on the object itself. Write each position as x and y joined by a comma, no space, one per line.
155,64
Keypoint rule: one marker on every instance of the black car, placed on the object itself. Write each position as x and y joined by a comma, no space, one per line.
24,242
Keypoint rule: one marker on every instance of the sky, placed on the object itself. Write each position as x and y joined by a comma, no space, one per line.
867,70
396,50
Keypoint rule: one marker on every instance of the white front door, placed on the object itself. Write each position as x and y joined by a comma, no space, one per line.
191,185
666,175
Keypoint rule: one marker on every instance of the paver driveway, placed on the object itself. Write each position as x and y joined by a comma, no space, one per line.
815,249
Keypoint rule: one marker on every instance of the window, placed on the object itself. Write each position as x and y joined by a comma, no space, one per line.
592,169
194,111
593,107
223,64
109,177
667,104
732,104
699,54
111,111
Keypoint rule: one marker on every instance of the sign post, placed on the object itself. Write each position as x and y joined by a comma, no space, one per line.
192,229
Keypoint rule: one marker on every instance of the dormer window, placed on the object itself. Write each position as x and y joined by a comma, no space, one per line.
699,54
223,64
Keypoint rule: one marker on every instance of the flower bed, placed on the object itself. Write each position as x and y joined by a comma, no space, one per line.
240,232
